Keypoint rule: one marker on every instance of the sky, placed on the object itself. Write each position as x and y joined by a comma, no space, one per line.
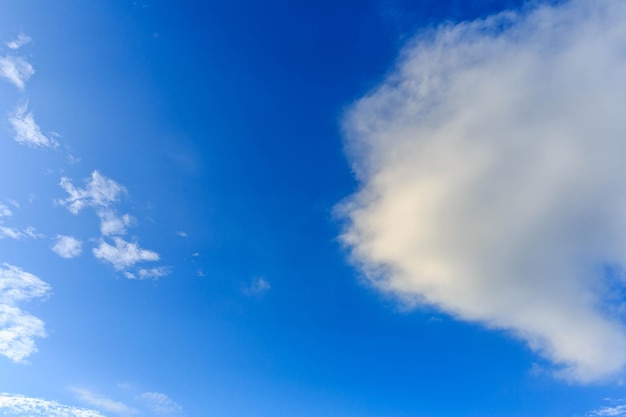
374,208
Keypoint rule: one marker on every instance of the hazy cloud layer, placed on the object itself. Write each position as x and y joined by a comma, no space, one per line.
16,70
160,403
21,406
27,131
491,163
19,329
67,247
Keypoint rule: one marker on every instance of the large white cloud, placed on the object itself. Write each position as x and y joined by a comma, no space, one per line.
20,405
19,329
492,170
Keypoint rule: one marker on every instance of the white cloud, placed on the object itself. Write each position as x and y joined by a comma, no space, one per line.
124,254
182,234
100,191
19,329
113,224
16,70
22,406
102,402
21,40
160,403
258,286
27,132
67,247
491,169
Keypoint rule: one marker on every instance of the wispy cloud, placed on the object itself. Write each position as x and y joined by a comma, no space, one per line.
19,329
124,254
22,406
27,131
491,172
67,247
10,232
257,287
618,409
99,192
103,402
160,403
13,233
147,273
16,70
21,40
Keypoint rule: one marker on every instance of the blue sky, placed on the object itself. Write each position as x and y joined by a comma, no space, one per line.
365,208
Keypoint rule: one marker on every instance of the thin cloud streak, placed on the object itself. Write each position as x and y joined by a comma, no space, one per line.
102,402
160,403
491,170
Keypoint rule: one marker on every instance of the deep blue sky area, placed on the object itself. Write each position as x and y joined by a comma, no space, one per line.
224,124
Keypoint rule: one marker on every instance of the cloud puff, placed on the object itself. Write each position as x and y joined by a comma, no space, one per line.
19,405
113,224
16,70
21,40
258,286
19,329
124,254
99,191
102,402
67,247
491,169
27,132
5,211
160,403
